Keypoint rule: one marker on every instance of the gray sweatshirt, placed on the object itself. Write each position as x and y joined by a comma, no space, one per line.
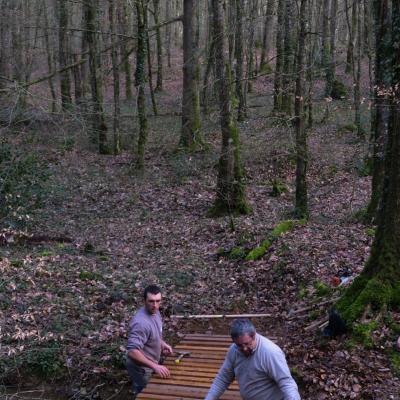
264,375
145,334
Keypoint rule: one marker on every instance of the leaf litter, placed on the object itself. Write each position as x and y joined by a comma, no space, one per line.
128,231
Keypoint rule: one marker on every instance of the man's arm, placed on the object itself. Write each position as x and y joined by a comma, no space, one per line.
222,380
166,348
280,373
137,356
138,336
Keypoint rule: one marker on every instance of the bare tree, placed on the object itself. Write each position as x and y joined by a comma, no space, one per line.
98,118
230,197
156,14
301,206
115,67
268,25
382,85
190,133
141,10
63,59
240,92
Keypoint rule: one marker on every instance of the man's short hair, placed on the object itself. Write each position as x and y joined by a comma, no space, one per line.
153,289
242,327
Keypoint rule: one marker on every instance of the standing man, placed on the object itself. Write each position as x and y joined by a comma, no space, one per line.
259,366
145,343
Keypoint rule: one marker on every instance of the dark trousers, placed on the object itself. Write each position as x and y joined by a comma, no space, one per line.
140,375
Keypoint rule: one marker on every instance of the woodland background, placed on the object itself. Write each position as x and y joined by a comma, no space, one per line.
242,154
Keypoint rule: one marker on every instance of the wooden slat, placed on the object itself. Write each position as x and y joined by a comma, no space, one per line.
189,347
185,391
193,376
193,367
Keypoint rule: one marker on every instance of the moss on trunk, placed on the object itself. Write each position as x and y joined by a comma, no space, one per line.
377,288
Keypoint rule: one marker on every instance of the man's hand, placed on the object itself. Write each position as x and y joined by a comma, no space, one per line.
161,371
166,349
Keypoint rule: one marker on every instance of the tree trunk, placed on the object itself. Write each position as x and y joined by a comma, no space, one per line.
65,81
190,132
124,55
141,10
324,37
288,58
310,68
357,77
149,63
159,85
331,65
78,84
50,64
99,124
352,26
377,288
279,57
115,68
17,67
84,68
240,93
301,205
168,32
4,28
230,197
209,61
269,18
231,28
251,65
382,84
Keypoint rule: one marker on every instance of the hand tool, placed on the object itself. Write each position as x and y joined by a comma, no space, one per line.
181,354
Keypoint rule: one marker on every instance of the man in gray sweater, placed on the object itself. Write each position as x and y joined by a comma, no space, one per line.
145,343
259,366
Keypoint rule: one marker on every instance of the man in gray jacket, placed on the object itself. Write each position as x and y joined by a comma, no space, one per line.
259,366
145,343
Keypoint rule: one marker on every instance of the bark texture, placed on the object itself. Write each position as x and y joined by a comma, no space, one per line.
230,197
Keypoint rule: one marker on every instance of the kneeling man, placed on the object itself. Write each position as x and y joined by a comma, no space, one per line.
259,366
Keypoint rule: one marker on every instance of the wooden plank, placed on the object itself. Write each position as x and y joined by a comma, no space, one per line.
193,376
188,347
205,356
187,372
193,367
193,382
220,316
211,338
225,345
183,391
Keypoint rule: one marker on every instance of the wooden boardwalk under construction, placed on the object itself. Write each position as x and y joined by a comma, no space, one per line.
192,377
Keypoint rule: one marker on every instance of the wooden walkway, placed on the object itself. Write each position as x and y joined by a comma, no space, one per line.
192,377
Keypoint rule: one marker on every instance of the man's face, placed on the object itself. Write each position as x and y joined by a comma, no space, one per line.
152,302
246,344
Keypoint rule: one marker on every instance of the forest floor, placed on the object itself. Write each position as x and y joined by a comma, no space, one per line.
66,304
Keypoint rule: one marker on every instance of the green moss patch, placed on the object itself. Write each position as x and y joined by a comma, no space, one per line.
90,276
374,293
321,289
280,229
362,333
395,362
278,188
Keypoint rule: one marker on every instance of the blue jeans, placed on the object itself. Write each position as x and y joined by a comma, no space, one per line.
140,375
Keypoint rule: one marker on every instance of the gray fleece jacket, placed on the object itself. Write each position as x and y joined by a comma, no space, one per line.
264,375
